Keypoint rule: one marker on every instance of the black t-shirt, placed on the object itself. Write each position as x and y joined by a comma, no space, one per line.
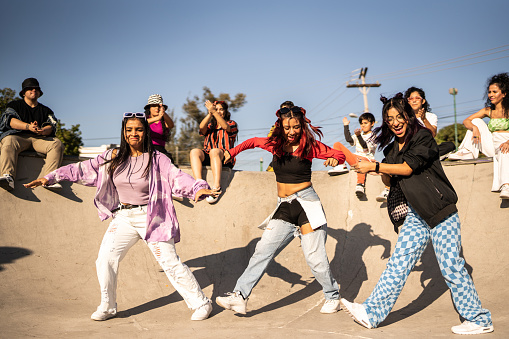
28,114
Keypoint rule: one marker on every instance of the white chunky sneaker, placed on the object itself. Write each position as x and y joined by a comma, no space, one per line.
234,301
468,327
203,312
339,169
100,315
331,306
504,192
7,182
357,312
211,199
360,190
461,155
382,197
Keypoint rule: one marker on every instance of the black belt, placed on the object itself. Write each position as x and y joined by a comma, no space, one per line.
126,207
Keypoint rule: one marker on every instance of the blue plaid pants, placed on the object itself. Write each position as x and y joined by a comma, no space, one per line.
412,240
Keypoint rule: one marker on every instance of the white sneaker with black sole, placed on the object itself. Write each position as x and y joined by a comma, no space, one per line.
337,170
382,197
7,182
360,190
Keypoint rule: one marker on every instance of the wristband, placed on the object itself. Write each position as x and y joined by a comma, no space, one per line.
377,167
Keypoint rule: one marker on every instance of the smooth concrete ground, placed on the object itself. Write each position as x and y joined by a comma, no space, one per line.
49,242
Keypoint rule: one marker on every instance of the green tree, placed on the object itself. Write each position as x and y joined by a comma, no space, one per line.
447,134
6,96
195,111
71,138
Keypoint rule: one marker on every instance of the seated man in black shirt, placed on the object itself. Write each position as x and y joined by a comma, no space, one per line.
27,123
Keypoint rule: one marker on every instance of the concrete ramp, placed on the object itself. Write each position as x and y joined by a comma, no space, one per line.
49,242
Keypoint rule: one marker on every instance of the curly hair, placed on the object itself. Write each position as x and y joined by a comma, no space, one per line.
226,116
307,137
383,135
502,82
412,89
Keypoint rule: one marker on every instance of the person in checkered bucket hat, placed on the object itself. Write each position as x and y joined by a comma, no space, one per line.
422,206
160,123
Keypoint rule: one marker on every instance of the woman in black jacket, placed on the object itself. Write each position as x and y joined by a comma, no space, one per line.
423,202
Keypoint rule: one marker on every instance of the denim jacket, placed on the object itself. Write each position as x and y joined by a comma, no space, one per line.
311,204
164,180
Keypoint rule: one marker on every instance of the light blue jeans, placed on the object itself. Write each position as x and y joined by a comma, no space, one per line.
275,238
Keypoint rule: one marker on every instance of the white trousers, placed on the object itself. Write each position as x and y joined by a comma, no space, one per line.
127,227
485,146
500,162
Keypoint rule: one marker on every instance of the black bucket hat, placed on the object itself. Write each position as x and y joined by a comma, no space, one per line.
28,84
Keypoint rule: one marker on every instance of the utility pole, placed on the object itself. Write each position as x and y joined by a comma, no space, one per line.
453,92
363,86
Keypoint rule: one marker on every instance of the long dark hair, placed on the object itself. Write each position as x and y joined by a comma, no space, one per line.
226,116
502,81
383,135
412,89
124,151
307,136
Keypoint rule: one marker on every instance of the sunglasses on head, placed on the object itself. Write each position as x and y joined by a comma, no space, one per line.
134,115
294,109
218,102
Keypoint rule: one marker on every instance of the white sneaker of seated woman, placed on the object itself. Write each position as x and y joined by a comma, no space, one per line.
211,199
461,155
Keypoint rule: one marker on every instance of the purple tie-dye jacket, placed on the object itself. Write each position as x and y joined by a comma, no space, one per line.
164,180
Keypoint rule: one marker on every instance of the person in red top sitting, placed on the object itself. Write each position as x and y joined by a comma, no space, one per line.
299,212
220,133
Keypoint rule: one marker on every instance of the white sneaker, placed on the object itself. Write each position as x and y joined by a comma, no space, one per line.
357,312
382,197
504,192
211,199
468,327
174,197
461,155
331,306
55,186
360,190
234,301
339,169
7,182
202,312
103,315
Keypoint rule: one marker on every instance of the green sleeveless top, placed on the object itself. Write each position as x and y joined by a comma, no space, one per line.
498,124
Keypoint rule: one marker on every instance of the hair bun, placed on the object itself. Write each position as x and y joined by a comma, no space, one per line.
383,99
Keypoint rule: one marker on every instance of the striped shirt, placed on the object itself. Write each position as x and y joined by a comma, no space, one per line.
219,138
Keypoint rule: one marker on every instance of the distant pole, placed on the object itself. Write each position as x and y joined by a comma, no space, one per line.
453,92
261,164
364,87
177,154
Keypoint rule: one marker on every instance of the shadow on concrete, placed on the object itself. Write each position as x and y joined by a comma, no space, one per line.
66,191
9,254
432,290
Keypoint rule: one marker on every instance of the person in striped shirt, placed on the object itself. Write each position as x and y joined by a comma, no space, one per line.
220,134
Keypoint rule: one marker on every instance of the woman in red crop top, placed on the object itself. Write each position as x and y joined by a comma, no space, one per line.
299,212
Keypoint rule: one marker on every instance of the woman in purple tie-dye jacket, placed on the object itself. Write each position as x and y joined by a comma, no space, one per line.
135,186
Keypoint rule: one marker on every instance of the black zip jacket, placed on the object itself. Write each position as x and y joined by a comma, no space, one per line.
427,189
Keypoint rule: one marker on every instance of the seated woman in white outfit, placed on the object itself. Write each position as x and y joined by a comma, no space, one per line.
492,139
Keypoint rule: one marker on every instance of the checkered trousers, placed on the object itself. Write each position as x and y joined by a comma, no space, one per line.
413,237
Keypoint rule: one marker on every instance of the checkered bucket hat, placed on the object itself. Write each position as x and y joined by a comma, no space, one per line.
155,99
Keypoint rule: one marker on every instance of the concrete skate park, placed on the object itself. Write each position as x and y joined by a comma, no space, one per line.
49,242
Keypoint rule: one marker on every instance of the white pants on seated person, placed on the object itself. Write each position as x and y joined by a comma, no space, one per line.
127,227
500,162
485,146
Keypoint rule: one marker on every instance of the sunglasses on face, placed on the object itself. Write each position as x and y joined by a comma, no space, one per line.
414,99
286,110
134,115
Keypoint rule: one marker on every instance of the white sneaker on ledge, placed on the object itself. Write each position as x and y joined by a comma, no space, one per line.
504,192
331,306
382,197
468,327
7,182
339,169
461,155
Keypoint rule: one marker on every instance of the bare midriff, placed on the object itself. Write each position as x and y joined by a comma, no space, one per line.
284,190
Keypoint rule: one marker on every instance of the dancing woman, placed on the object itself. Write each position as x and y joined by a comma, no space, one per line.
299,212
134,186
423,202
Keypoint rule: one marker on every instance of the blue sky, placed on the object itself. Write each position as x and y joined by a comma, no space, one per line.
98,59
